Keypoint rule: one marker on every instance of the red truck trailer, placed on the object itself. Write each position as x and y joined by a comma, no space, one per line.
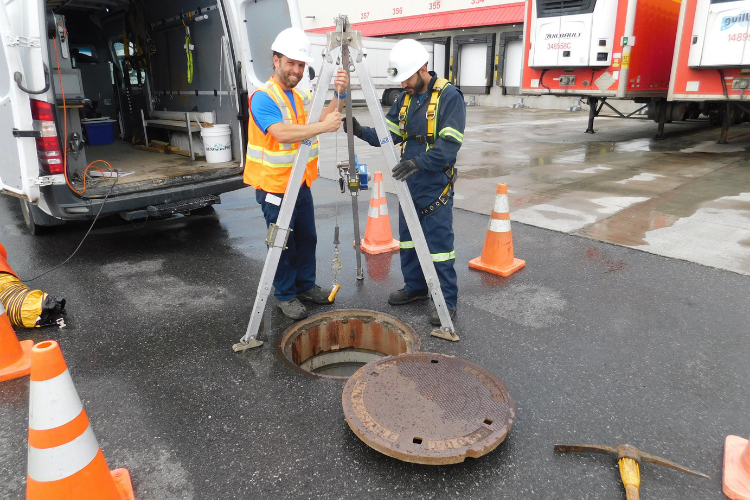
600,50
711,65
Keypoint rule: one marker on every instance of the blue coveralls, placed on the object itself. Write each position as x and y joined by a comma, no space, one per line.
428,183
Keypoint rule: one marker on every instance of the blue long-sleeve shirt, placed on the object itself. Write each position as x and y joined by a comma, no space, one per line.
430,181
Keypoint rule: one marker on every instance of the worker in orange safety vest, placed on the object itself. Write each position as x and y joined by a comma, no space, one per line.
277,125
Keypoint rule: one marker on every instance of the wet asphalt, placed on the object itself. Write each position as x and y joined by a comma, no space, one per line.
597,344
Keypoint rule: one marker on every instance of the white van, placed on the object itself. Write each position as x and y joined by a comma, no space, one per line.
150,88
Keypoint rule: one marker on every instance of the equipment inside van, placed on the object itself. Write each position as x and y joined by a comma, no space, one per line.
128,107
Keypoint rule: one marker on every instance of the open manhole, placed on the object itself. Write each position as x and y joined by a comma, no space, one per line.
335,344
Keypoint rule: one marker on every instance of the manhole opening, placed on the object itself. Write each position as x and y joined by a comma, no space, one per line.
334,345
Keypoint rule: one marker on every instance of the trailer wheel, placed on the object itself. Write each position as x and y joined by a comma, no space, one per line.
390,96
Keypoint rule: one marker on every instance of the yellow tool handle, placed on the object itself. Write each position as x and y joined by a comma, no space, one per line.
631,477
334,292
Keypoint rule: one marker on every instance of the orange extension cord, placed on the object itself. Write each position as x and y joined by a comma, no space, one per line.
65,132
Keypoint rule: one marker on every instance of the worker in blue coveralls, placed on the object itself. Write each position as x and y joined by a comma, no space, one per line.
428,120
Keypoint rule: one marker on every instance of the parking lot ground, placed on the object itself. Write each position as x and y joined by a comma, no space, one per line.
684,196
597,343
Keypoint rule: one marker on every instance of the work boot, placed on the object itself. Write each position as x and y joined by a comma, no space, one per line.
435,319
401,297
293,308
316,295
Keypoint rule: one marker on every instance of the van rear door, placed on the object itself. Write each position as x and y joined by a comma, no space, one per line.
259,23
19,167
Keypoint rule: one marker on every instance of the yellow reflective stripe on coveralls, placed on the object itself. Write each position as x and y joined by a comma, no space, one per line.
452,132
436,257
442,257
393,127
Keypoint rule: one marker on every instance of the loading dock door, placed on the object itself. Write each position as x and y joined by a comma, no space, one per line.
513,63
438,61
473,67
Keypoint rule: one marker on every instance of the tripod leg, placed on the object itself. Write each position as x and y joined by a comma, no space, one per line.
278,233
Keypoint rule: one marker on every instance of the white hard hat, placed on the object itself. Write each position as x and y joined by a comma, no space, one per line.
293,43
407,56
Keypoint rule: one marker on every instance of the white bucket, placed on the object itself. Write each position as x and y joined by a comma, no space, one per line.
217,143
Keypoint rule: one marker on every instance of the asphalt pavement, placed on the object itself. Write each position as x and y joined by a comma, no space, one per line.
597,343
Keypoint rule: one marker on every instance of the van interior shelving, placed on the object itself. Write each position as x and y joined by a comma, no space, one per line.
121,60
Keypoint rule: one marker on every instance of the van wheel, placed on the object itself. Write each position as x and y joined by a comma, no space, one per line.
36,221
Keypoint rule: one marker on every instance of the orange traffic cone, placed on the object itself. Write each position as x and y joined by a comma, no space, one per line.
65,460
15,356
497,254
736,481
378,238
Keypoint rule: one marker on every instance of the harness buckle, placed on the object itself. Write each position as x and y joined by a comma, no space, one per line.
430,115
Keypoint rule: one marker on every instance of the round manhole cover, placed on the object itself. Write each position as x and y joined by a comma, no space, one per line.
428,408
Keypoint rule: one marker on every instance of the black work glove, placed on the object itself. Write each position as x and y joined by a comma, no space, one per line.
355,125
405,169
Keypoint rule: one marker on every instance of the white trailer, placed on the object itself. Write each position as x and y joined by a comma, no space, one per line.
377,52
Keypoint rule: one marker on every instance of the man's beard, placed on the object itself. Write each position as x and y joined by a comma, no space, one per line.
418,86
284,77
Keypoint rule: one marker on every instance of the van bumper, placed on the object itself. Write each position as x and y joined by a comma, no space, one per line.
66,205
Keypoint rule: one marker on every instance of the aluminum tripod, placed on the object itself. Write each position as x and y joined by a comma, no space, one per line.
278,233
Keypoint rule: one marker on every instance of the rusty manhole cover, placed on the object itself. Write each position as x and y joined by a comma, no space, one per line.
428,408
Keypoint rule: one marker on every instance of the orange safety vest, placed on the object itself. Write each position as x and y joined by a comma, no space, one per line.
268,163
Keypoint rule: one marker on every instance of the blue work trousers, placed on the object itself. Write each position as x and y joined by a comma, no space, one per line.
438,230
296,271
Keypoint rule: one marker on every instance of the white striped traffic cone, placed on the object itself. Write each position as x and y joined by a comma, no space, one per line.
65,461
378,237
497,254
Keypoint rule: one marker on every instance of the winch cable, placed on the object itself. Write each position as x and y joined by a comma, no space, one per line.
336,262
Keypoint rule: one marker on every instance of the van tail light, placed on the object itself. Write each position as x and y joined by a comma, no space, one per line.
48,145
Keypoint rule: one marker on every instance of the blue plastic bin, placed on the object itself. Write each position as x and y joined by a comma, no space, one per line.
100,133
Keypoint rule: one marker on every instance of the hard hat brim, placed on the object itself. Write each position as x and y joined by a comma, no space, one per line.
299,56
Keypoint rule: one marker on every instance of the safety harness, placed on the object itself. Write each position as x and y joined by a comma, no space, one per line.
429,139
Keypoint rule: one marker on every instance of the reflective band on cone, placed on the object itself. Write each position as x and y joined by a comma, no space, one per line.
15,356
378,237
736,479
65,460
497,254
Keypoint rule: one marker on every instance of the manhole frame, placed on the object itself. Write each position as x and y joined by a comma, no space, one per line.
287,336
